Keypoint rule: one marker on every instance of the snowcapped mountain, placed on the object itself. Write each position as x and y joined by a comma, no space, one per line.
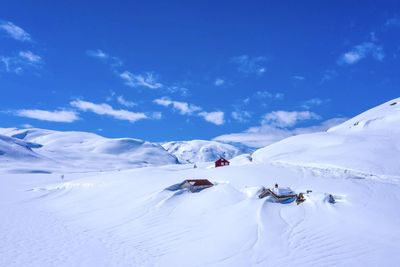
367,143
200,150
82,150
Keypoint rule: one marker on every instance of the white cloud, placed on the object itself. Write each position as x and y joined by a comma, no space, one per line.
157,115
284,119
18,64
97,54
27,125
241,116
328,75
11,64
103,56
141,80
30,57
362,51
313,102
146,79
298,77
183,107
393,22
216,117
15,32
45,115
25,59
250,65
264,135
219,82
266,94
105,109
183,91
126,103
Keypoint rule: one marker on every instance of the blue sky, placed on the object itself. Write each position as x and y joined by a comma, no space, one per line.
183,70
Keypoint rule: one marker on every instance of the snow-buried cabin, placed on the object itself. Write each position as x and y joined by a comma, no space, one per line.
221,162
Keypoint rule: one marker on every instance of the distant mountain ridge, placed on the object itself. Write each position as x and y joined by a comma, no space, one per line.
80,150
201,150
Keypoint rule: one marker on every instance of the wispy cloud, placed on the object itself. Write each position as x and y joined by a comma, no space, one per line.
17,64
145,79
241,116
298,77
216,117
328,75
184,108
107,110
126,103
11,64
267,94
182,90
393,22
45,115
30,57
314,102
287,119
99,54
148,80
362,51
15,31
264,135
219,82
250,65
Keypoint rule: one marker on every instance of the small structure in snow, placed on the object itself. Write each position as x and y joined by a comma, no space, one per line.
221,162
331,199
193,185
279,194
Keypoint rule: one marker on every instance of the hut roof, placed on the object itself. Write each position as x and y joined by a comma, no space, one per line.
199,182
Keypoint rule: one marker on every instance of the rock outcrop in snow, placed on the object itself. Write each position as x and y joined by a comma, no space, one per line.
200,150
367,143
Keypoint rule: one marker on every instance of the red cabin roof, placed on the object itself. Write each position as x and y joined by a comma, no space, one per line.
221,162
199,182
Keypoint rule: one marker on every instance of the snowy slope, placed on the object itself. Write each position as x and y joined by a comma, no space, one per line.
368,143
15,149
200,150
83,150
126,218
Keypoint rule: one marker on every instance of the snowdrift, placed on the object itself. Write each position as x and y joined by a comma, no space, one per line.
368,143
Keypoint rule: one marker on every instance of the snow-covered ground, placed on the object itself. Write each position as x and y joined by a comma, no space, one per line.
124,217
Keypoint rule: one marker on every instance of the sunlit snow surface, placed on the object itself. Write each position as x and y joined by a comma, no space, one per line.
73,217
126,219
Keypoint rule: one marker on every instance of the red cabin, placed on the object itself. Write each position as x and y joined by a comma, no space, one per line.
221,162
